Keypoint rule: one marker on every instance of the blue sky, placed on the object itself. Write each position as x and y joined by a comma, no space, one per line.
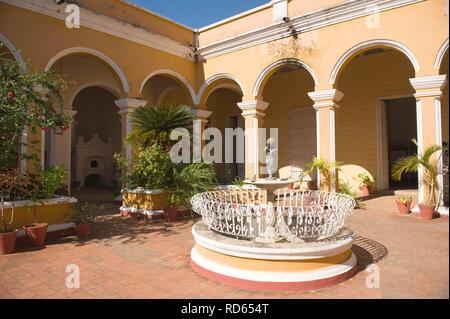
198,13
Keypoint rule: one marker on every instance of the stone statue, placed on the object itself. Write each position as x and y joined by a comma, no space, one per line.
270,161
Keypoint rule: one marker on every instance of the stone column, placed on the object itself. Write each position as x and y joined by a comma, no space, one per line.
253,113
428,105
325,103
126,107
201,116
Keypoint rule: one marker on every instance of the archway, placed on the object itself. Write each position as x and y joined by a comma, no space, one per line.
167,87
96,137
443,69
377,116
95,82
291,111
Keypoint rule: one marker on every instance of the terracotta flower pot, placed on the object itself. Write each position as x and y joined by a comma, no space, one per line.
7,242
83,230
365,190
171,213
404,208
427,211
36,234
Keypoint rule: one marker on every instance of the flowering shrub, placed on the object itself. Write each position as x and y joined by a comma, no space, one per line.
27,100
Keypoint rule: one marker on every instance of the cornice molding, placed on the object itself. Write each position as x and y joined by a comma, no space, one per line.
253,107
301,24
127,105
327,95
429,82
109,26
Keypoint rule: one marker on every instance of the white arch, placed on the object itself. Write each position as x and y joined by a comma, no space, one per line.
371,43
101,84
14,52
277,64
111,63
173,74
165,92
440,55
237,87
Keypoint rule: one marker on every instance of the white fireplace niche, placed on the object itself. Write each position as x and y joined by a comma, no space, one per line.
95,157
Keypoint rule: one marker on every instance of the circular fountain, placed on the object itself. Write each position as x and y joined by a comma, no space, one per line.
297,242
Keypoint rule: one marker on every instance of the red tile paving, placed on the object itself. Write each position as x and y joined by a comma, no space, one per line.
126,258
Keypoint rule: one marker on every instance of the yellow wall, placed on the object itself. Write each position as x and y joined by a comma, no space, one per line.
51,214
444,100
363,81
284,91
223,104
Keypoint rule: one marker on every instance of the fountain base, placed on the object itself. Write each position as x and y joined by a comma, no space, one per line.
273,266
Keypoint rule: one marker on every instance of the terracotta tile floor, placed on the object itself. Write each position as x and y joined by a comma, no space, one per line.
131,259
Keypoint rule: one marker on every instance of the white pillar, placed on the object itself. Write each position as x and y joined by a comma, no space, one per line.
201,115
126,107
253,113
325,103
429,127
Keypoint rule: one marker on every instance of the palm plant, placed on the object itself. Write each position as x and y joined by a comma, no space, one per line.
325,167
153,125
430,169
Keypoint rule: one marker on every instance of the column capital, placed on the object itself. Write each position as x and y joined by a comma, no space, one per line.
428,86
127,105
201,114
253,107
326,98
70,112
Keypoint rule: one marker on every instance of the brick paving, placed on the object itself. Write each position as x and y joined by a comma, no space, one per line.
126,258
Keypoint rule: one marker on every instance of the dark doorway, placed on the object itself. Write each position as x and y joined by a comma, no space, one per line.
94,180
402,127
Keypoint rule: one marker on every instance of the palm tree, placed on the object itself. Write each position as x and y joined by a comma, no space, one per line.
153,125
326,168
429,164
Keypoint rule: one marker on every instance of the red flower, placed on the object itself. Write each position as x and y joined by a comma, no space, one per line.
10,94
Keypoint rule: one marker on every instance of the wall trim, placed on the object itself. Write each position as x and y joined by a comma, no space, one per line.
272,67
10,46
176,76
216,77
440,55
372,43
310,21
98,84
98,54
429,82
111,26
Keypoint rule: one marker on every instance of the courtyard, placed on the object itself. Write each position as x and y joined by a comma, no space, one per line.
127,258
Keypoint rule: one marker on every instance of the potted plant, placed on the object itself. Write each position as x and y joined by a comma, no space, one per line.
44,186
328,170
12,186
366,182
83,217
427,161
404,204
171,207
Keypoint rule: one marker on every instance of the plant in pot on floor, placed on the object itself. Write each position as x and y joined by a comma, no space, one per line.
404,204
83,216
173,201
427,161
13,186
366,182
328,171
44,186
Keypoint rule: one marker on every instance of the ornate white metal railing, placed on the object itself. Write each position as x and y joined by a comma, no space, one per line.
295,216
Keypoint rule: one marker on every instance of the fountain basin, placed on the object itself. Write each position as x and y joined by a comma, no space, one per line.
273,266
